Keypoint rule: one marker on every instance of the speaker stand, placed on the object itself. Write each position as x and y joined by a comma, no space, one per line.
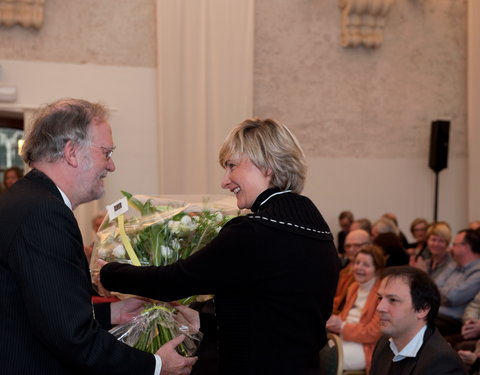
435,203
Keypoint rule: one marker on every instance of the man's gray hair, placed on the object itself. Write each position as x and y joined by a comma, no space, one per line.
56,124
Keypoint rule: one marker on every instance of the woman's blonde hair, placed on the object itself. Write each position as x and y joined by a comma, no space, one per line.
440,229
271,147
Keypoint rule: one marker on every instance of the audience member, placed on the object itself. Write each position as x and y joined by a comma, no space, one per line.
418,229
10,176
358,323
471,358
402,237
363,223
436,256
392,248
356,240
408,304
470,332
345,220
384,225
459,282
47,322
474,225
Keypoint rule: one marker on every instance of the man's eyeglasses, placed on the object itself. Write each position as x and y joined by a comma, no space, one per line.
355,245
107,151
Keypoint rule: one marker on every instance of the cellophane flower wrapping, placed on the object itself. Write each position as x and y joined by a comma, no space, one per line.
158,324
161,230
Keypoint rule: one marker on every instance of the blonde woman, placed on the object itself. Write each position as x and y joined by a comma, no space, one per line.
439,236
273,272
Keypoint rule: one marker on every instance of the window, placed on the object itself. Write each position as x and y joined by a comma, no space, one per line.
11,131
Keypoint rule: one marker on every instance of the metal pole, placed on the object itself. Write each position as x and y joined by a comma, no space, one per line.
435,209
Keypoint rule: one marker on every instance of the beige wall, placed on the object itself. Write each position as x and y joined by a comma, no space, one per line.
363,116
363,102
473,109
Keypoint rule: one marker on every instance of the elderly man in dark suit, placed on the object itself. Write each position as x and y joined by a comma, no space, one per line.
408,305
47,322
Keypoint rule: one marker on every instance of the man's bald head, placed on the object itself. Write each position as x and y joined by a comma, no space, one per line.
355,240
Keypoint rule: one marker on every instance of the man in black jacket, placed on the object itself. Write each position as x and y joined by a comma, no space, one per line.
47,322
408,305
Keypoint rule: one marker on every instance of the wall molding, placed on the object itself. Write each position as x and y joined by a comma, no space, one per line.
27,13
363,21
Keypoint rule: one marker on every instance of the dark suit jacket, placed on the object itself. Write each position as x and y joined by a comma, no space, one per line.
47,325
435,357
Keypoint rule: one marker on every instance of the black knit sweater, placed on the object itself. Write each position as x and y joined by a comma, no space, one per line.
273,274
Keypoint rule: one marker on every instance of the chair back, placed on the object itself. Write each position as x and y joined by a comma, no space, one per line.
331,356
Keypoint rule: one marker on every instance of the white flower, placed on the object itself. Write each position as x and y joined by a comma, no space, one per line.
119,252
186,220
174,226
175,244
187,224
166,251
218,217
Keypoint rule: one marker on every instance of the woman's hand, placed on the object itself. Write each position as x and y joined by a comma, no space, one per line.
467,356
334,324
188,315
418,262
471,329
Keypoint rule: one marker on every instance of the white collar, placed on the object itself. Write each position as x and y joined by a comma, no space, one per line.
278,192
65,198
411,349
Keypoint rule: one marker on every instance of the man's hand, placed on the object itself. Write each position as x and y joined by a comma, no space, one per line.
172,362
124,311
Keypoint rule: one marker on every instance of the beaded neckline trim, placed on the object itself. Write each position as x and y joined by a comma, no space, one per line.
288,224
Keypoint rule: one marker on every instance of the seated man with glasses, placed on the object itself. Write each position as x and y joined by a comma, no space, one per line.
459,282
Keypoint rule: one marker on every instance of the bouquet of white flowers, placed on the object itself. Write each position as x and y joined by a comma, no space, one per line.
159,231
157,324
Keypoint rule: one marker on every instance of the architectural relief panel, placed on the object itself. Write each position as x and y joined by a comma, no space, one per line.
106,32
363,22
370,103
24,12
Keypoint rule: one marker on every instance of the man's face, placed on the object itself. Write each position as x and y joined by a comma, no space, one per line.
354,242
95,163
459,248
398,318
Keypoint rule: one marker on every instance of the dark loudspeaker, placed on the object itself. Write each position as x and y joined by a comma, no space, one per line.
439,145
